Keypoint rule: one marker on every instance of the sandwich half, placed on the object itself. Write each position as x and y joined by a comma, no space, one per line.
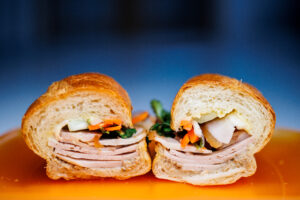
215,127
82,127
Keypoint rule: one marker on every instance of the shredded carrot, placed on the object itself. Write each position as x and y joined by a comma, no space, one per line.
189,137
113,128
193,137
96,126
187,125
97,144
105,124
185,140
110,122
140,117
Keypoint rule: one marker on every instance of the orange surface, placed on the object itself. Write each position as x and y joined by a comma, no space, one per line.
22,176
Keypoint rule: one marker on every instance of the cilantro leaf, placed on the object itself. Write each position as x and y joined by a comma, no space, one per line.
162,127
127,132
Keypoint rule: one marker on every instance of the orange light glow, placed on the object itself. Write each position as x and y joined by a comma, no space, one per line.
22,176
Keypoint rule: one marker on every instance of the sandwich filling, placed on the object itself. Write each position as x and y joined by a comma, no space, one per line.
201,144
105,144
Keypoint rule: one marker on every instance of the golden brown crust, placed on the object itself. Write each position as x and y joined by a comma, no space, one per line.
87,82
226,82
82,82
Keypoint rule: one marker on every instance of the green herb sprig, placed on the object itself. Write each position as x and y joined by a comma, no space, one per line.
127,132
162,127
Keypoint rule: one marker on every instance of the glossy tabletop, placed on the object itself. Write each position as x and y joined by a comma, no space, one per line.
22,176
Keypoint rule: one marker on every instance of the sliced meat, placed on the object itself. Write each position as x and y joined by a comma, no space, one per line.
73,147
237,137
217,157
171,143
220,131
90,156
83,136
91,163
86,136
84,148
119,141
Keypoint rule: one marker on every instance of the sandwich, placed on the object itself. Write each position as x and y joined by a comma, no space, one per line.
215,127
82,126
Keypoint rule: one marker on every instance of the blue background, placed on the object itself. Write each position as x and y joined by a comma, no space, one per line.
150,47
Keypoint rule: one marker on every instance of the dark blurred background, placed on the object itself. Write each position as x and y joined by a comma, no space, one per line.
151,47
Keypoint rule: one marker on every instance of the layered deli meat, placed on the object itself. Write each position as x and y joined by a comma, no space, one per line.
201,146
95,143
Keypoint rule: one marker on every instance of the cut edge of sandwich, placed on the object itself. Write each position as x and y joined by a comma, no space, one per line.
210,100
68,107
